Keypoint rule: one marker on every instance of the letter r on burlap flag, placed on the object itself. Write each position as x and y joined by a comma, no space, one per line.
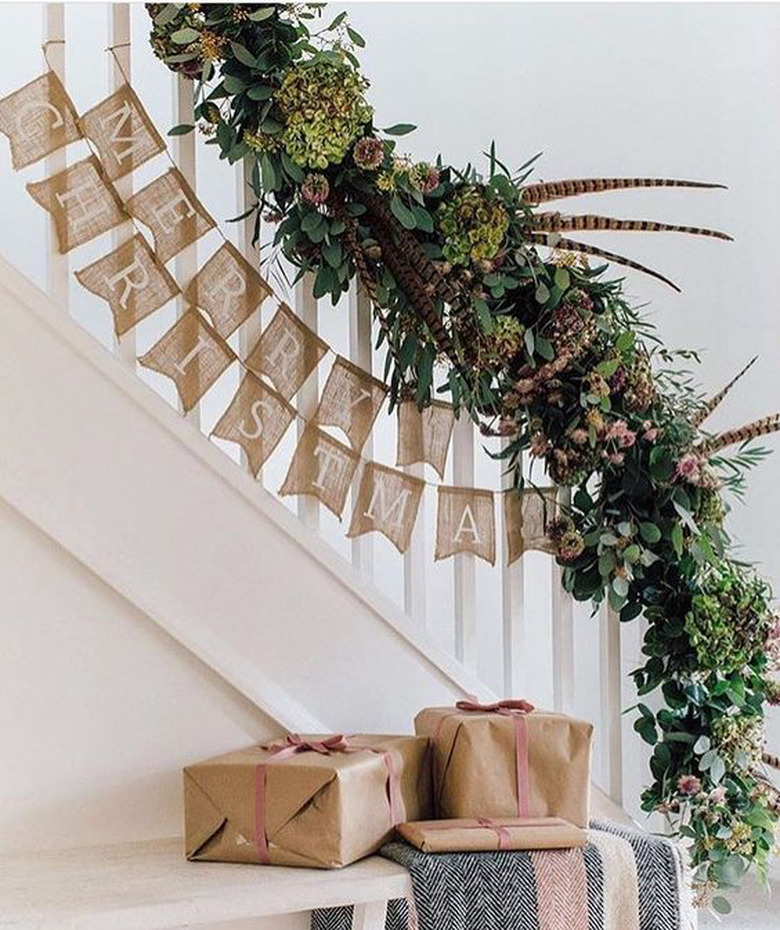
38,119
322,467
527,515
465,522
82,205
387,503
351,400
122,133
424,435
192,355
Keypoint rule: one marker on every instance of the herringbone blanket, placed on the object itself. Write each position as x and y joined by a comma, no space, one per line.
622,880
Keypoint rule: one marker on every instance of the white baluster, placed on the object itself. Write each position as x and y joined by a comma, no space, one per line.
308,396
464,567
562,631
611,703
360,352
415,559
512,609
58,266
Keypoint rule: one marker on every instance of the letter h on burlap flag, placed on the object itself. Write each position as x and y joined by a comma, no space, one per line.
387,503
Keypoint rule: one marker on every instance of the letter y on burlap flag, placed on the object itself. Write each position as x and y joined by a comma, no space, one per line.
38,119
387,503
351,400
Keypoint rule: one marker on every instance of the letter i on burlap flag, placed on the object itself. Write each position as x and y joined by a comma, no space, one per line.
351,400
82,205
131,280
192,355
256,419
424,435
527,515
38,119
387,503
323,468
122,133
465,522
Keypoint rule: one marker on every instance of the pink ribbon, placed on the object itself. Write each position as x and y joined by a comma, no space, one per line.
294,744
499,828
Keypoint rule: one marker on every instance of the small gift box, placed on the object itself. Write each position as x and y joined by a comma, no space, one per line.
486,834
316,801
508,760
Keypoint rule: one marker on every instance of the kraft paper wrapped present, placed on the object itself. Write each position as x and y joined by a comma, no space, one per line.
490,834
508,760
315,801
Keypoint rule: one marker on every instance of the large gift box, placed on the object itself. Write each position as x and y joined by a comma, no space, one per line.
321,802
486,834
508,760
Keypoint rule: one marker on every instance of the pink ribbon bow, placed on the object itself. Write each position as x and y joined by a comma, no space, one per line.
506,708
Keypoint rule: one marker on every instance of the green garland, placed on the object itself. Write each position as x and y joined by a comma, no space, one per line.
547,353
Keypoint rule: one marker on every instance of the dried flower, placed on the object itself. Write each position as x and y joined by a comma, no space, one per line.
539,445
369,153
472,224
579,436
571,546
315,188
688,785
424,177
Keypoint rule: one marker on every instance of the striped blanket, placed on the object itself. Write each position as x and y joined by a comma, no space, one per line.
622,880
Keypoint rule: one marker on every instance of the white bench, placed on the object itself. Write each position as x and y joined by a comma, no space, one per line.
150,886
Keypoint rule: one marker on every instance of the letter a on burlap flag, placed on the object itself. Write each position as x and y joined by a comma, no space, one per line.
424,435
387,503
38,119
122,133
175,216
527,515
465,522
287,352
131,280
228,288
323,468
350,400
256,419
82,205
191,354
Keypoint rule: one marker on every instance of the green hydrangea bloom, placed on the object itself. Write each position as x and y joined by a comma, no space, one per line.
473,226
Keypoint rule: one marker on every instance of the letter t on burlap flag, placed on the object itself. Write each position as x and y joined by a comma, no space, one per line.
322,467
465,522
387,503
527,515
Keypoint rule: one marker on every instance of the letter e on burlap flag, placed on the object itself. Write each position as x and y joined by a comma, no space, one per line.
228,288
122,133
465,522
527,515
387,503
424,435
256,419
131,280
175,216
322,467
192,355
38,119
287,352
350,400
82,205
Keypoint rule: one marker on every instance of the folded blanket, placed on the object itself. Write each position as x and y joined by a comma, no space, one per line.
621,880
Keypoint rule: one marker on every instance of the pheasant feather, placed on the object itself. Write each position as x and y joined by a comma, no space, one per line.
714,401
557,221
752,430
770,760
545,191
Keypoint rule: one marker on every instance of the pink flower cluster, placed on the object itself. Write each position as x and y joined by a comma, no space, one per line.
620,433
688,785
694,469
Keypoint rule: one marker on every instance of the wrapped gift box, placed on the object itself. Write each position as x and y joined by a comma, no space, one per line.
320,802
485,835
508,760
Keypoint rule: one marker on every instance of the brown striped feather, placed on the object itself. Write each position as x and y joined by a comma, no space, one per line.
568,245
752,430
770,760
574,187
594,223
716,399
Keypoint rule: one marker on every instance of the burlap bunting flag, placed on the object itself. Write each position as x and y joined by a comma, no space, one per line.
465,522
175,216
321,467
131,280
387,502
82,205
424,435
228,288
191,354
287,352
122,133
38,119
351,400
527,515
256,419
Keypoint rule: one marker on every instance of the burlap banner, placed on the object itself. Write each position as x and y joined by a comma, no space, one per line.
82,205
228,288
527,515
256,419
351,400
287,352
424,435
131,280
175,216
323,468
38,119
465,522
122,133
192,355
387,503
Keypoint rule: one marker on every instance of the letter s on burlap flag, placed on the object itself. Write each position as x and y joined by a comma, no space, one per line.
38,119
322,467
465,522
82,205
387,503
351,400
424,435
131,280
527,515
